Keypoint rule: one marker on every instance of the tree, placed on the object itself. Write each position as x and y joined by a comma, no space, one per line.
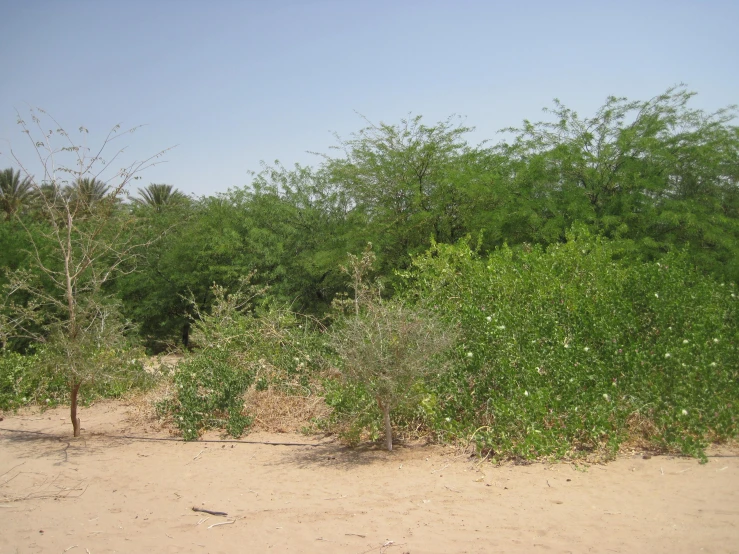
14,191
404,184
159,197
87,192
655,174
85,243
387,346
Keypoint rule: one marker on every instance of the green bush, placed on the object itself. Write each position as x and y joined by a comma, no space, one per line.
565,351
32,379
209,388
237,347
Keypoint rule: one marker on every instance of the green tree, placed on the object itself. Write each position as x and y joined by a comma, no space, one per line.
15,191
404,184
159,197
655,174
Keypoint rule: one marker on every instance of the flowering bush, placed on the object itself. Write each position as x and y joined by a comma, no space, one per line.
567,350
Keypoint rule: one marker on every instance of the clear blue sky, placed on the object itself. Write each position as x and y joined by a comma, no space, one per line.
236,82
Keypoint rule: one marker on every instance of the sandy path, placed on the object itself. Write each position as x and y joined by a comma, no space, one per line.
106,494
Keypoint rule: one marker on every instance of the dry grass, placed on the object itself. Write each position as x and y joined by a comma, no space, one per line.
277,411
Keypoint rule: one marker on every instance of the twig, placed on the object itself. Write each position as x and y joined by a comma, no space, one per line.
198,456
71,547
440,469
211,512
662,471
723,468
11,469
203,520
355,535
222,523
451,489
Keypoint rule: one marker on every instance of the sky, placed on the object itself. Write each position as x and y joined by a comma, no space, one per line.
232,84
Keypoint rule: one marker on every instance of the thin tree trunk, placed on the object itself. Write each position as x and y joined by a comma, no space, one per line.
388,428
73,409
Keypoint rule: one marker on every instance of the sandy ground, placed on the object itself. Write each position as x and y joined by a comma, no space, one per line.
104,493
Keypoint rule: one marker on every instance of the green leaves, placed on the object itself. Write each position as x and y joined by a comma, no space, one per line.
563,349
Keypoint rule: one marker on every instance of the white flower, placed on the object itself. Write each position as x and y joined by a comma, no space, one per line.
470,354
448,419
501,327
667,355
608,398
715,340
685,341
572,379
685,412
713,364
586,349
489,319
656,295
733,295
48,400
525,393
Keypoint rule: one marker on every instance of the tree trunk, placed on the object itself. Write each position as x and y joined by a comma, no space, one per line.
73,409
388,428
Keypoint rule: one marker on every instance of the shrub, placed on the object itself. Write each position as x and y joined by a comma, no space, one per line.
564,351
238,346
386,349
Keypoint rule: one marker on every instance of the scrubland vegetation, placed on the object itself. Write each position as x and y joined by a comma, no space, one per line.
559,294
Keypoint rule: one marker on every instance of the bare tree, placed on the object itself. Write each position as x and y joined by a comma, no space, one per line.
87,239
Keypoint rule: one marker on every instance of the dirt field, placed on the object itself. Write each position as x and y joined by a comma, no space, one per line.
105,493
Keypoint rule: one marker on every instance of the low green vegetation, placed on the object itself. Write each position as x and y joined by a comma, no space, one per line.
33,379
568,349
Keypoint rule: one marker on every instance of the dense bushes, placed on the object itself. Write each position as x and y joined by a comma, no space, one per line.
32,379
565,350
237,346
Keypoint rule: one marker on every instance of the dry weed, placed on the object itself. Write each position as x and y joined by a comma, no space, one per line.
277,411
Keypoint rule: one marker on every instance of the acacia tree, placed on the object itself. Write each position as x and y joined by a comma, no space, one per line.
404,183
657,173
387,346
85,241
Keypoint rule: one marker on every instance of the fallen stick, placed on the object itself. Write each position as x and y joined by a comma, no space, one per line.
440,469
222,523
211,512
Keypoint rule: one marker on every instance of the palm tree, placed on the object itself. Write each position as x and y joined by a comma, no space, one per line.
14,191
86,193
159,197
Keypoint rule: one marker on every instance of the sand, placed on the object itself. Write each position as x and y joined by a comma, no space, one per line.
106,493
